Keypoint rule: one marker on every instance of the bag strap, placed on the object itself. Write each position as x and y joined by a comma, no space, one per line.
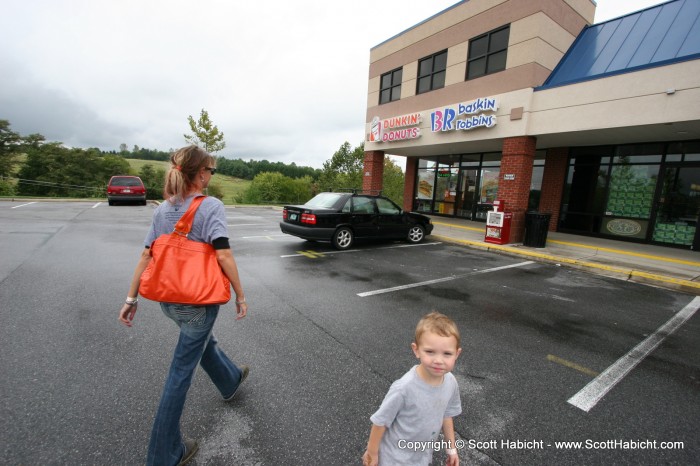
184,225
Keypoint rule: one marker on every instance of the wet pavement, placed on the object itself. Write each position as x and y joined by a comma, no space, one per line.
672,268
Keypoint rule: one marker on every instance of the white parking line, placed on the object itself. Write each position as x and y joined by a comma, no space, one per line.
22,205
96,205
440,280
597,388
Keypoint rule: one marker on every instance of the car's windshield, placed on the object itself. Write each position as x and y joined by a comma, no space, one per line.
126,182
324,200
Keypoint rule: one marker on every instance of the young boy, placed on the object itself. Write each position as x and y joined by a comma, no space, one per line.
406,427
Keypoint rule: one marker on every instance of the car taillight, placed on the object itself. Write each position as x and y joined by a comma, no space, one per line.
308,218
284,214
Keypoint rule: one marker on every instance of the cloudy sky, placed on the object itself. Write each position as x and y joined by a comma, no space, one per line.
284,80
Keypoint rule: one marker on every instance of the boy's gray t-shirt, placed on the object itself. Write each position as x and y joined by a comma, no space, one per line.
209,221
413,411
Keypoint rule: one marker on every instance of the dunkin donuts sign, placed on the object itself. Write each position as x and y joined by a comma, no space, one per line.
395,129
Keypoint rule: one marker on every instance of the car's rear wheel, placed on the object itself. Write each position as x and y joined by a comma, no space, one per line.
416,234
342,238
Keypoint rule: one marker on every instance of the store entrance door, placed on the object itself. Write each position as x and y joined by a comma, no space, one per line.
465,195
678,207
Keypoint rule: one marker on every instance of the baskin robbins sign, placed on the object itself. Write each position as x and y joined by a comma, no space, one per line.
397,128
448,119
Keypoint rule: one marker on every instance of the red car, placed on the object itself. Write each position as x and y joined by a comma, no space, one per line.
125,188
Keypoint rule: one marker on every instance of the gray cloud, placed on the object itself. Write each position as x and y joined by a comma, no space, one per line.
284,81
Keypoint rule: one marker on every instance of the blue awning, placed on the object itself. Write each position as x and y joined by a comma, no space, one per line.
657,36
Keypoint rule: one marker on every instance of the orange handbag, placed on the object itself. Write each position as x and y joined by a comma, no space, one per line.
183,271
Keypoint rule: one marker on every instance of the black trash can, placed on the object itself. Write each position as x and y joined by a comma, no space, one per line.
536,227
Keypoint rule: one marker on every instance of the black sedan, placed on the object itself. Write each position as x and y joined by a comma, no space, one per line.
343,217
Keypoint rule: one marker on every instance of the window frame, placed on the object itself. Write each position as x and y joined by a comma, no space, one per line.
432,73
488,54
394,89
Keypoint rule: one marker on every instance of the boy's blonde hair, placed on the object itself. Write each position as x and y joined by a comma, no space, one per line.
439,324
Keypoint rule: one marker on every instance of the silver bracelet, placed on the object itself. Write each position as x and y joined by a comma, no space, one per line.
131,301
240,302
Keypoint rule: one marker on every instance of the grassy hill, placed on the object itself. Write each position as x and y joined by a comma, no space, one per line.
231,187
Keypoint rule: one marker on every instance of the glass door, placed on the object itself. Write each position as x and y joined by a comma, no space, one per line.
465,195
488,190
446,190
678,207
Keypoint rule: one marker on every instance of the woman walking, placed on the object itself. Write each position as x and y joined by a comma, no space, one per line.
190,172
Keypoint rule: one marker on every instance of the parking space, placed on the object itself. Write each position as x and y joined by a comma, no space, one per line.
327,334
535,336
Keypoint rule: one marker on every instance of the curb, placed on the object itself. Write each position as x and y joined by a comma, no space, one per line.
627,274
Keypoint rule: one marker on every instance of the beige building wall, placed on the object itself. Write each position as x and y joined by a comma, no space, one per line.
653,104
540,33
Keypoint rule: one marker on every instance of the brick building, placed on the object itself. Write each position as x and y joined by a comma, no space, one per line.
531,103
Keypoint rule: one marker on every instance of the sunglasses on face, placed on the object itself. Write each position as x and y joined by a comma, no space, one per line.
211,169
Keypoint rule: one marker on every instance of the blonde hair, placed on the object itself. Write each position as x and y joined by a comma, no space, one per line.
185,163
439,324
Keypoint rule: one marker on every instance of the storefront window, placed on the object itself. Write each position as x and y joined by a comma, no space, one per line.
464,185
631,191
644,192
427,163
446,187
492,159
691,151
584,192
630,198
678,207
639,153
488,191
424,190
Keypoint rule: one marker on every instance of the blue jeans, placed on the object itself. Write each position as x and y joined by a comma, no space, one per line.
196,345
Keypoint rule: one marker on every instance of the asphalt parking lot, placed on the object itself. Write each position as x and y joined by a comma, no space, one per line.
327,333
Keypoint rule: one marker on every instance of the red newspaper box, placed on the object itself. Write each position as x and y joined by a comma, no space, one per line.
498,224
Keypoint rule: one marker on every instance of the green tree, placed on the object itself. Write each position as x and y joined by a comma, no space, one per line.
344,169
275,188
154,181
10,148
113,165
205,134
54,170
393,181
